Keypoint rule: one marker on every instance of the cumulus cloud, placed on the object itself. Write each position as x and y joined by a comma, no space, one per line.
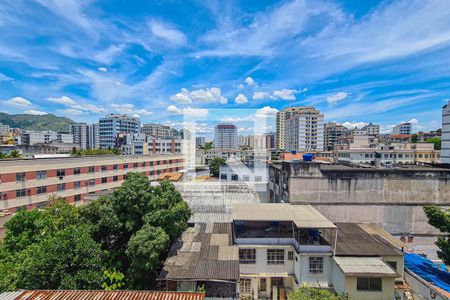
413,121
250,82
195,112
35,112
354,124
173,110
168,33
262,96
18,101
62,100
240,99
266,111
75,107
207,95
333,99
285,94
130,109
102,69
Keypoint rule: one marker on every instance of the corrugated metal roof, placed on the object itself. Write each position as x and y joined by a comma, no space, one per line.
304,216
9,295
104,295
373,266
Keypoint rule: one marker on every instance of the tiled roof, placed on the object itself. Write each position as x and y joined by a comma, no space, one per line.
102,295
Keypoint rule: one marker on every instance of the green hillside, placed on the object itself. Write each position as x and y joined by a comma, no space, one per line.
32,122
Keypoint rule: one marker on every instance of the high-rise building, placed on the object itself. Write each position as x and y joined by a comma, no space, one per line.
159,131
225,136
332,133
404,128
304,130
280,126
110,126
200,141
445,134
86,136
372,129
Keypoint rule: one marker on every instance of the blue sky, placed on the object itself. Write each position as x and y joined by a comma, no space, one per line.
357,61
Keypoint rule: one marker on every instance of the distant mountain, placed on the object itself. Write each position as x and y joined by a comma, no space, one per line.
33,122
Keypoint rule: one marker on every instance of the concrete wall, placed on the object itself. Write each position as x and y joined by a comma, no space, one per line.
387,292
421,289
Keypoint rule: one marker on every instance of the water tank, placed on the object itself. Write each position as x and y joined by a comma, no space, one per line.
308,157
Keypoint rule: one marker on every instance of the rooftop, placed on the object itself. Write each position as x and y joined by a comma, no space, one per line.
370,266
204,252
100,295
303,216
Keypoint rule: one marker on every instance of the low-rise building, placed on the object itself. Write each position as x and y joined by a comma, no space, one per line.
403,128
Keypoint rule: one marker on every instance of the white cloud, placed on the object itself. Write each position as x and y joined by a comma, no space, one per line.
262,96
72,112
240,99
333,99
35,112
144,112
102,69
173,110
3,77
195,112
413,121
285,94
129,108
167,33
354,124
62,100
207,95
266,111
18,101
241,86
250,82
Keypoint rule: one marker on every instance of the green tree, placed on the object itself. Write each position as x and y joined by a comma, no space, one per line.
414,138
440,219
15,154
214,166
112,280
207,146
308,293
436,141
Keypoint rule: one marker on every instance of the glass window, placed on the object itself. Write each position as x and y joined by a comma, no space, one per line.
135,165
41,190
77,198
115,167
143,164
76,171
125,166
275,256
223,176
91,169
290,255
368,284
247,256
234,177
104,179
245,286
21,193
41,175
60,173
393,264
20,176
77,184
60,187
91,182
104,168
262,284
115,178
316,265
258,178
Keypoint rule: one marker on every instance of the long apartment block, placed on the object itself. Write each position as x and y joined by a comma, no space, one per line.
29,182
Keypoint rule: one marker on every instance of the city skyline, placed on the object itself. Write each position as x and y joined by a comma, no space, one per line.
150,59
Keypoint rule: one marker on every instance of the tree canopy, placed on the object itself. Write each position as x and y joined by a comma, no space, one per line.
214,166
118,241
308,293
440,219
436,141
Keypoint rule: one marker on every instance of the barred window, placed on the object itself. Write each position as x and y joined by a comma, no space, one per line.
247,256
245,286
316,265
20,176
275,256
290,255
41,175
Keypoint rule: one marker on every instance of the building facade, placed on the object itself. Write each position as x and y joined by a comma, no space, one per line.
372,129
159,131
4,129
445,147
86,136
332,133
200,141
280,124
30,138
304,130
404,128
110,126
225,136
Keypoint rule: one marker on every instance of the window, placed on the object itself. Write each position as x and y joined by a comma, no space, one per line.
115,178
290,255
245,286
5,196
91,182
21,193
115,167
223,176
41,175
60,173
246,178
60,187
368,284
393,264
143,164
258,179
247,256
262,284
104,168
234,177
41,190
135,165
316,265
20,176
77,184
104,179
275,256
91,169
125,166
76,171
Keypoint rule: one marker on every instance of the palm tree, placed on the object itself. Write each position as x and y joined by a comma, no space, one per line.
15,154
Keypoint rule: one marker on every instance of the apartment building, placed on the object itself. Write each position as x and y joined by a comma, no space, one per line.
159,131
29,182
86,136
200,141
164,146
372,129
280,125
332,133
110,126
403,128
445,147
304,130
225,136
31,138
4,129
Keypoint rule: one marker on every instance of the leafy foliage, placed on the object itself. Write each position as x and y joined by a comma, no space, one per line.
308,293
117,241
214,166
441,220
14,154
436,141
207,146
78,152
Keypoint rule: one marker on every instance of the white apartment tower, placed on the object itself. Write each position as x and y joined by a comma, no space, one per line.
225,136
404,128
280,134
304,130
445,148
86,136
110,126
